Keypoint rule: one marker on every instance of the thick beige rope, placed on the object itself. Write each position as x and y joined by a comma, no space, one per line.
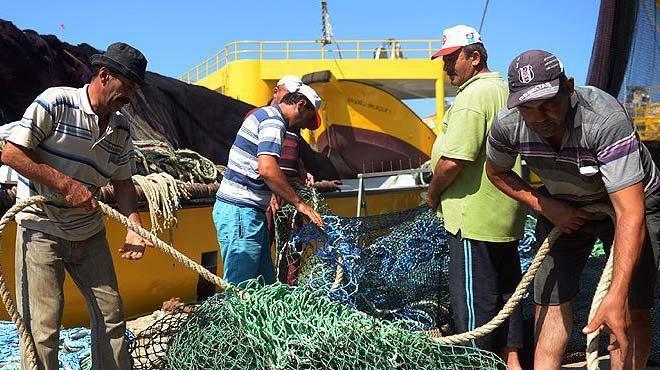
505,312
163,194
4,291
601,290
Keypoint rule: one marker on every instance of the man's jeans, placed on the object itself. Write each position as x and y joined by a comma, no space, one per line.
244,242
40,263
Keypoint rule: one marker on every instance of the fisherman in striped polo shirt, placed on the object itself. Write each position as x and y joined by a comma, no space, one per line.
252,175
583,145
72,142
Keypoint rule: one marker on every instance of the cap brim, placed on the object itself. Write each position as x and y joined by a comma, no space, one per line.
315,123
445,51
541,91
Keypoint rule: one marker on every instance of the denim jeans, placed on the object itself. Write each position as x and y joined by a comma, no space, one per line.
244,243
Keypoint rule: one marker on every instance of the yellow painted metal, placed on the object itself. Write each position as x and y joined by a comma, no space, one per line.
645,111
311,50
647,121
248,70
349,103
378,203
143,284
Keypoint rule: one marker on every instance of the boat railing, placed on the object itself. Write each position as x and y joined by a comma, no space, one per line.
361,198
314,50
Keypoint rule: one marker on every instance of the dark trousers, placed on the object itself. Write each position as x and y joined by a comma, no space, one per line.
482,277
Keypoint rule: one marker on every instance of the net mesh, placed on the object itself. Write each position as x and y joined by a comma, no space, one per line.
390,266
643,69
283,327
148,348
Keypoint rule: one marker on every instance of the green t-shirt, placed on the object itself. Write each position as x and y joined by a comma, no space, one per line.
472,204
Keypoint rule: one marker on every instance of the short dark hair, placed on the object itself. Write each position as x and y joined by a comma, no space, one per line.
292,98
95,72
481,49
563,87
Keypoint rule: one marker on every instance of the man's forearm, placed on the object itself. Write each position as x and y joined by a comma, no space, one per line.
126,198
511,184
444,174
279,184
629,236
25,162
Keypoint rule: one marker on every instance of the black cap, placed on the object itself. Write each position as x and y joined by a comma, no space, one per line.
123,59
533,75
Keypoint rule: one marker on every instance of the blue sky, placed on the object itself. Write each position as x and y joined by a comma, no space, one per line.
176,35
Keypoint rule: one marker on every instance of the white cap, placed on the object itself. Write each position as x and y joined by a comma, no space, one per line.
291,82
311,95
456,37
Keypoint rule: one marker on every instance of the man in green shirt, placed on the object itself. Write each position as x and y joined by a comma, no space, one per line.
483,226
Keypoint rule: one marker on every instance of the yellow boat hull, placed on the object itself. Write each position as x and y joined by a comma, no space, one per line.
146,283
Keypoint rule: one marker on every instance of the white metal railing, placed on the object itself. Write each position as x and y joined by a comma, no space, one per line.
361,196
287,50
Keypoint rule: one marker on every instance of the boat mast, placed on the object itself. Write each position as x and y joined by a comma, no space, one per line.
326,29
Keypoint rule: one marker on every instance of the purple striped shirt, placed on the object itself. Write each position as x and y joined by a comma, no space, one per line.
601,153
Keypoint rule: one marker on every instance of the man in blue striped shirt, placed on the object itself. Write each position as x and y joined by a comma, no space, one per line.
252,174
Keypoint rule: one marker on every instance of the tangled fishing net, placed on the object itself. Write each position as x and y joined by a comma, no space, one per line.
183,164
283,327
390,266
164,175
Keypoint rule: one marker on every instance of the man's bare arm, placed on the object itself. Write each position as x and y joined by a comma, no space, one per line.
276,180
25,162
126,198
628,238
444,174
561,214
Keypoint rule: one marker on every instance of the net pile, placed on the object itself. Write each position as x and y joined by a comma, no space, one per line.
391,266
149,347
289,253
283,327
164,176
182,164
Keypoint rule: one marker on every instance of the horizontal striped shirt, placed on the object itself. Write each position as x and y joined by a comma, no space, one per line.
600,153
62,130
290,154
261,133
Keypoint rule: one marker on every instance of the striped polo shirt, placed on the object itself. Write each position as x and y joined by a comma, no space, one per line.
290,154
290,150
261,133
62,130
600,153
